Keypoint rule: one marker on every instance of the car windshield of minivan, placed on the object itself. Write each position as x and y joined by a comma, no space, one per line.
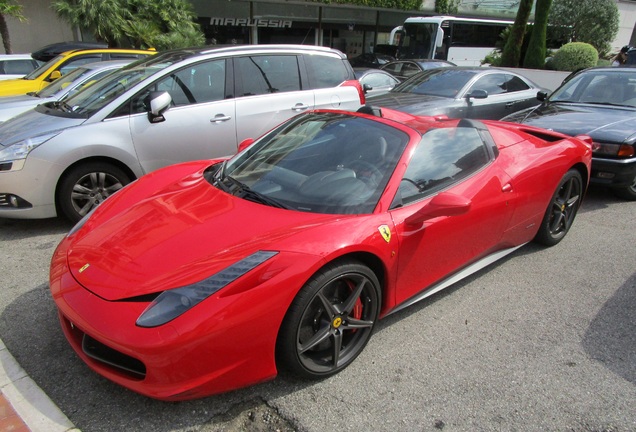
93,98
43,68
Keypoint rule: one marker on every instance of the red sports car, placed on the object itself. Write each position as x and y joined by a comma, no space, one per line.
208,276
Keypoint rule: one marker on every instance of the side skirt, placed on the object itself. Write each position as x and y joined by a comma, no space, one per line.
456,277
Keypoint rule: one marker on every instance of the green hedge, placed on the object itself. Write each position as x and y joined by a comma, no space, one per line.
574,56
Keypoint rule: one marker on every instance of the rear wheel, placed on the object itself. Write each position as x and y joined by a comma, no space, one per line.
627,192
330,321
87,185
562,209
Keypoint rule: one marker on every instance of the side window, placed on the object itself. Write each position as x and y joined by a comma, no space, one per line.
515,84
394,68
325,71
76,62
268,74
17,66
410,69
199,83
492,83
443,156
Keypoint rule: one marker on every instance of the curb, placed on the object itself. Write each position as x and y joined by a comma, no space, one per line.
30,403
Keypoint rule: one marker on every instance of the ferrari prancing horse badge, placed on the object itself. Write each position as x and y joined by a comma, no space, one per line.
385,232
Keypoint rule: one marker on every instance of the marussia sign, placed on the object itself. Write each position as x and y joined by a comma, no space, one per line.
250,22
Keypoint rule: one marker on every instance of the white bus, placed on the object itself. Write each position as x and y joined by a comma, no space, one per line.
463,41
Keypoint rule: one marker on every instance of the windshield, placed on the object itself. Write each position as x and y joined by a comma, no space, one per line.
43,68
62,83
319,162
604,87
444,82
418,41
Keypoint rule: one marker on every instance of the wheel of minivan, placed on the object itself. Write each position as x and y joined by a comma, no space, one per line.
87,185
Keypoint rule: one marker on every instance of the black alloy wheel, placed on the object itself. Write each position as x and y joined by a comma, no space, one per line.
562,209
330,321
86,186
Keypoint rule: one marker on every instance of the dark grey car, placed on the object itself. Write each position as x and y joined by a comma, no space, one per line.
461,92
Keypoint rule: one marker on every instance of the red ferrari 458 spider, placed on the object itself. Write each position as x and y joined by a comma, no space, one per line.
208,276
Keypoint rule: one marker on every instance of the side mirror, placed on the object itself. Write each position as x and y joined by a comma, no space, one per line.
367,88
158,103
443,204
55,75
477,94
245,144
542,96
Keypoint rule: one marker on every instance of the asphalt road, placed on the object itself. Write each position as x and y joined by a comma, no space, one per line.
543,340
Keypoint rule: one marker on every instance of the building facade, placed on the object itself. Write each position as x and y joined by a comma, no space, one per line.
351,29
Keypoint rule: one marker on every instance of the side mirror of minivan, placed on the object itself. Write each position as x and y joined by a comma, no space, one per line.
158,103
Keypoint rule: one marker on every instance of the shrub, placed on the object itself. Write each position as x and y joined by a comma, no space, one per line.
574,56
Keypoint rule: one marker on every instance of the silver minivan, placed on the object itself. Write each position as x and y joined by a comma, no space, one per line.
64,158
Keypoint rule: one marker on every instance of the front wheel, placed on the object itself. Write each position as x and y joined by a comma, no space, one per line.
87,185
562,209
330,321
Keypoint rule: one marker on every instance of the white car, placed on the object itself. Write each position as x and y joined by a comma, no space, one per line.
66,157
60,89
14,66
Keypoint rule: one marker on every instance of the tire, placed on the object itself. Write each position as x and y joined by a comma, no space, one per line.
562,209
85,186
330,321
627,192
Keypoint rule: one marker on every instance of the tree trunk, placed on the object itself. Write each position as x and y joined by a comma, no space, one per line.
512,51
535,55
4,33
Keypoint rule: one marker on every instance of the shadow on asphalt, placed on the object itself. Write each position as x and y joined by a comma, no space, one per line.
611,336
18,229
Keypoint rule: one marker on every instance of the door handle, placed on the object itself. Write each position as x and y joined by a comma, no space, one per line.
300,107
506,188
220,118
510,104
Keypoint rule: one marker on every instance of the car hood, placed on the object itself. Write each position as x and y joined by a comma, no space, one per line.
609,124
181,234
31,124
408,102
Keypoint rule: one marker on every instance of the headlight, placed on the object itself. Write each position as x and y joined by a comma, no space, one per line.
170,304
21,149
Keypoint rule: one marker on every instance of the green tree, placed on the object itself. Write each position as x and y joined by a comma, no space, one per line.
591,21
511,54
446,7
535,54
8,8
137,23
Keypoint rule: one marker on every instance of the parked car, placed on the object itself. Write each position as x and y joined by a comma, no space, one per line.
470,92
370,60
14,66
359,216
64,158
375,81
403,69
63,64
60,89
601,103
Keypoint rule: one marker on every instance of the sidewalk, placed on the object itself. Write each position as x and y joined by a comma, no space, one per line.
23,405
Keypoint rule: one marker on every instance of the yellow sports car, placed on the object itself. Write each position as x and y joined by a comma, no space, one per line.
64,63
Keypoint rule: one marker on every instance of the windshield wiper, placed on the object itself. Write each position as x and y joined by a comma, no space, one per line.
242,190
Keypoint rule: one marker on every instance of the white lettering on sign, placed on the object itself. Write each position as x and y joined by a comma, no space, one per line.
251,22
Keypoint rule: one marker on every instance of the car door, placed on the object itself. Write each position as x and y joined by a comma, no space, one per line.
325,75
268,92
499,101
199,124
460,163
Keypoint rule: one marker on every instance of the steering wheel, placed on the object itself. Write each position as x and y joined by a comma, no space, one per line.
366,172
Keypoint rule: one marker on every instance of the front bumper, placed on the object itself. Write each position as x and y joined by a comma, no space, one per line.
613,172
27,189
224,343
